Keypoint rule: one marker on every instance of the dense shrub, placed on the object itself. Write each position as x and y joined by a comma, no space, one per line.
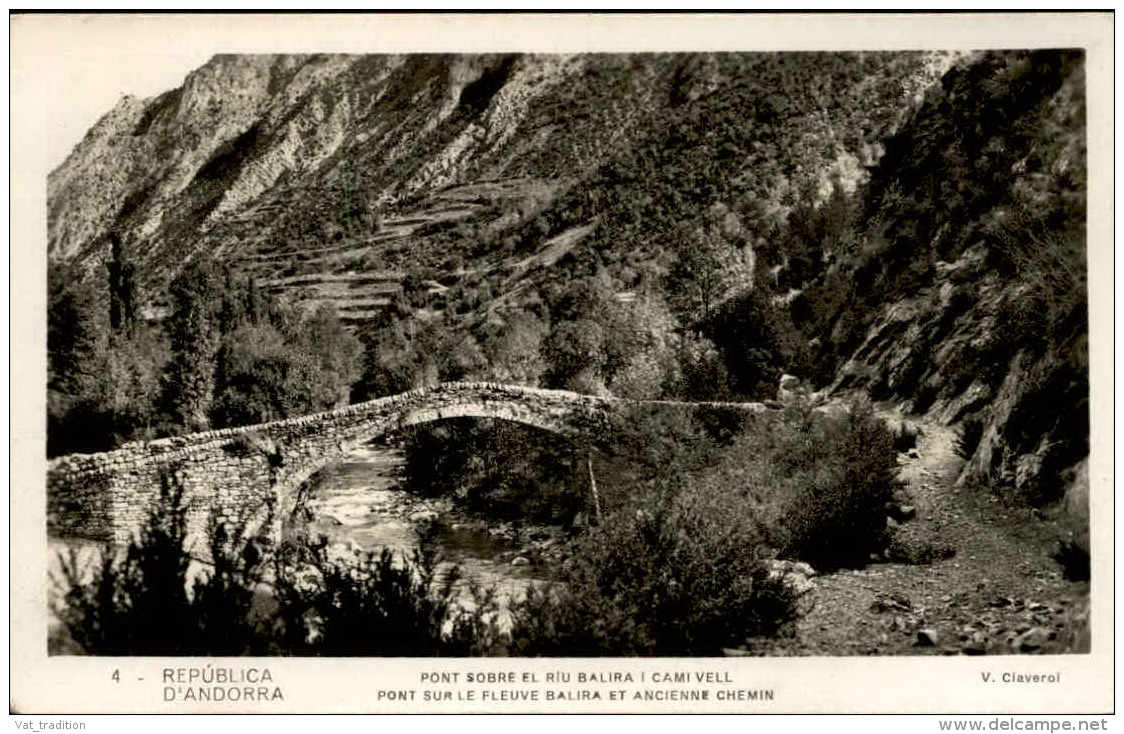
147,600
226,600
838,518
505,470
366,604
500,469
817,484
677,565
673,573
135,604
648,443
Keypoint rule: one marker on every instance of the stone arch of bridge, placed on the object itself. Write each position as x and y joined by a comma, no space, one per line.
510,412
557,418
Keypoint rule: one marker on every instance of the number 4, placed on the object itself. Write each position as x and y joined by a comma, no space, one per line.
116,677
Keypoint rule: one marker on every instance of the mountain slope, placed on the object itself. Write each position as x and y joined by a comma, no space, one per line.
265,160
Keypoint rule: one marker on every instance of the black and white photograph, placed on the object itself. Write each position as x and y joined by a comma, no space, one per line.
560,374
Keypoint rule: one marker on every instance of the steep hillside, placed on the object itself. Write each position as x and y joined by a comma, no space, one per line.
962,289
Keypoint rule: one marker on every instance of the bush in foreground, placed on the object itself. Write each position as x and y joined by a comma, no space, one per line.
370,603
817,485
148,600
838,517
675,573
137,602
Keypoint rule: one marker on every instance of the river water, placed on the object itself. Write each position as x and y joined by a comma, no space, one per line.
360,504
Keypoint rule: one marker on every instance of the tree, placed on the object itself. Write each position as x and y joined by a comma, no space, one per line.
704,270
334,357
702,372
193,329
251,369
388,363
574,354
123,296
640,339
104,365
77,351
73,330
513,349
265,372
131,383
757,342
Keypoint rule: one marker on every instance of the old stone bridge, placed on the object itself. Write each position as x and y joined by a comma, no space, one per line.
240,472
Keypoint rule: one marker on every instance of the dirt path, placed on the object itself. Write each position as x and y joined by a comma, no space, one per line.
992,586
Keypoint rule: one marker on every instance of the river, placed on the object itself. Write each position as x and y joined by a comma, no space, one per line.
360,504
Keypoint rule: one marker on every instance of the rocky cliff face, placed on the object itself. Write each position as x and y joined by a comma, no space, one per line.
274,154
261,130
